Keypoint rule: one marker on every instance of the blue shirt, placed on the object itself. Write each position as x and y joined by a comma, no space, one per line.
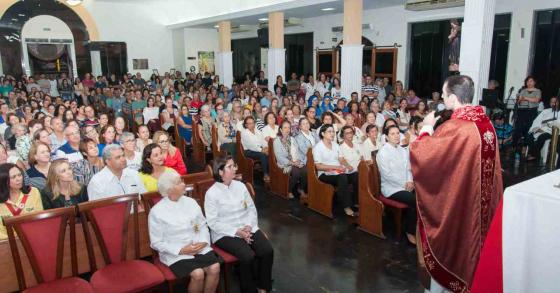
265,102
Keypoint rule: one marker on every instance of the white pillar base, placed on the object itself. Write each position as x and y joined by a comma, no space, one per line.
224,68
276,66
351,69
476,43
96,63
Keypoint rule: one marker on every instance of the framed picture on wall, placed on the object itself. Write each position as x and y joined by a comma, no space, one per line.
140,64
206,62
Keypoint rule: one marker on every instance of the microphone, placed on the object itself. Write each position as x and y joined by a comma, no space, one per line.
511,90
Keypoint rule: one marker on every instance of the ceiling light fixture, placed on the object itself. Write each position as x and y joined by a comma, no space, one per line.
328,9
74,2
263,19
216,26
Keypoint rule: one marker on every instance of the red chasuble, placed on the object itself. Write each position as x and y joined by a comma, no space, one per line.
458,182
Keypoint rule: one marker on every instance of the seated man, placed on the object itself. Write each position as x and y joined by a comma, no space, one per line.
114,179
503,130
71,149
541,129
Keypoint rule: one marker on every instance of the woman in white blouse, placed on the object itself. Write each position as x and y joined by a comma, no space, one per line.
254,144
232,218
371,143
271,129
178,231
330,170
287,158
350,157
305,139
396,177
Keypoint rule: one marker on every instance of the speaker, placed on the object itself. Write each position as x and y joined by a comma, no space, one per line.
262,35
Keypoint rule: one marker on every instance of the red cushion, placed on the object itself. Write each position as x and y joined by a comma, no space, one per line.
71,284
228,258
392,203
42,236
165,270
126,276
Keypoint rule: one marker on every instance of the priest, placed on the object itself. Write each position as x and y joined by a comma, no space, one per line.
458,184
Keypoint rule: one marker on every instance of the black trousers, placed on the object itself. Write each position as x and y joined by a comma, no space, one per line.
341,184
261,157
409,199
298,176
255,261
522,124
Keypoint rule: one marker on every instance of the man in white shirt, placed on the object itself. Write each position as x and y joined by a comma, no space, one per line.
541,129
115,179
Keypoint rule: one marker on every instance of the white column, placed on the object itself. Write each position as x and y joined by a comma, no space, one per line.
476,43
96,63
276,65
224,68
73,58
351,69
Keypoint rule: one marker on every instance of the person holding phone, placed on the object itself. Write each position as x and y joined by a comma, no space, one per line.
178,231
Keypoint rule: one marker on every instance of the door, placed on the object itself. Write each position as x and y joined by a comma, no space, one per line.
326,62
384,63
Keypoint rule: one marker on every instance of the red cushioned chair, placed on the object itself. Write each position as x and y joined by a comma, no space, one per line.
109,222
42,236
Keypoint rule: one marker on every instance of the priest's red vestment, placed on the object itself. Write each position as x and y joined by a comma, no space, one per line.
458,182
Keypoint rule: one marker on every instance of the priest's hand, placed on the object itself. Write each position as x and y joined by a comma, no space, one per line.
430,119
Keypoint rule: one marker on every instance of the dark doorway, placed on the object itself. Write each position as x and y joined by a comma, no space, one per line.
546,46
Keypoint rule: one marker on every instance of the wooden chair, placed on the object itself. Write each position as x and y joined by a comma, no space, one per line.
370,218
394,206
199,151
42,236
279,182
108,219
192,178
320,194
246,165
179,141
200,189
150,199
216,153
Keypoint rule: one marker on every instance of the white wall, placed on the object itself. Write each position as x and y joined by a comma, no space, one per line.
198,39
179,58
146,35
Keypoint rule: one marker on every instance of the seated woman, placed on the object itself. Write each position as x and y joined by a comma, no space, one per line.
62,190
143,138
335,120
39,160
371,144
227,134
350,158
179,233
390,122
120,128
413,130
305,139
90,165
151,115
152,166
185,124
171,154
330,170
205,126
270,130
107,137
254,144
358,134
16,198
396,178
233,222
23,141
133,158
285,150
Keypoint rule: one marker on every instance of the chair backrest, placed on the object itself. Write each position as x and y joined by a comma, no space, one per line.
42,235
192,178
311,163
149,200
375,179
179,142
215,152
271,156
200,189
109,221
251,190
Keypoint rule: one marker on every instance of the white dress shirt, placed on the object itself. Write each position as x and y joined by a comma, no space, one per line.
352,155
268,131
546,114
394,168
253,141
326,156
105,184
175,224
228,209
367,147
136,162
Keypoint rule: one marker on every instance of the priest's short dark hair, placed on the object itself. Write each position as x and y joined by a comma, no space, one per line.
461,86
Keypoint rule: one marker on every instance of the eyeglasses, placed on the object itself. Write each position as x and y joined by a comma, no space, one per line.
164,141
232,166
129,140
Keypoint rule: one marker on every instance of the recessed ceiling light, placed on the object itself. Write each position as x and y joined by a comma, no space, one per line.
328,9
263,19
216,26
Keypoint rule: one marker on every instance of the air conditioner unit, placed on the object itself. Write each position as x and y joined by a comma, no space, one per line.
292,21
421,5
339,29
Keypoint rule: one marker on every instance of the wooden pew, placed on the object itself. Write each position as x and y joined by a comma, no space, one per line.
370,218
199,150
191,179
179,141
320,194
245,164
8,278
279,182
216,152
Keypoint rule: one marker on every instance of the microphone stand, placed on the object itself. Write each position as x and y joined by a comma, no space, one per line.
507,111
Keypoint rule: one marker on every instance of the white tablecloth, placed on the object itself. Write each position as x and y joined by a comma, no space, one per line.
531,235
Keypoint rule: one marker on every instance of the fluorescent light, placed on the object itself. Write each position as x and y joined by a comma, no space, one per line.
216,26
263,19
328,9
74,2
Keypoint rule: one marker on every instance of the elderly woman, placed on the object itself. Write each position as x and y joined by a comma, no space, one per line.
205,126
62,190
227,134
232,218
270,130
178,231
396,177
371,143
326,154
23,141
305,139
255,145
172,156
133,157
16,198
152,166
286,153
350,157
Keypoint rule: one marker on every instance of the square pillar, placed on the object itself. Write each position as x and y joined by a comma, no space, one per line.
276,51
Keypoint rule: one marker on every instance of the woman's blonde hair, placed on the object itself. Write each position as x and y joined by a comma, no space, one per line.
53,181
33,152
